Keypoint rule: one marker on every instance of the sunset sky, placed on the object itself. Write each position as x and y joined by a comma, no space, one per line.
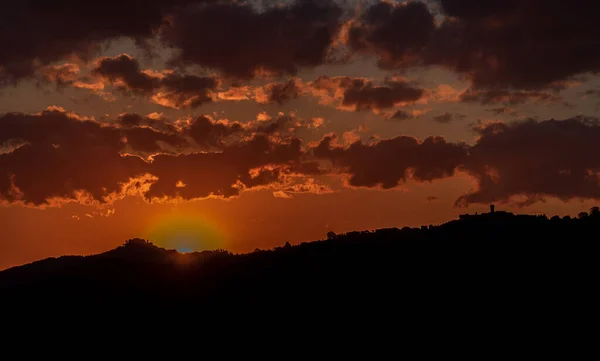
204,124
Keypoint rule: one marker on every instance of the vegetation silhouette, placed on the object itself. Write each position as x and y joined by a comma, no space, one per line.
493,267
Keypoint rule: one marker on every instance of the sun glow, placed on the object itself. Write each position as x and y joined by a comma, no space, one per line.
186,233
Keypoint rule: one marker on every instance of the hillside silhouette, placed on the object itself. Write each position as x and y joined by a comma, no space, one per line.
489,267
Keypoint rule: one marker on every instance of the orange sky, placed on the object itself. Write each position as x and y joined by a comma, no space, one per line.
254,136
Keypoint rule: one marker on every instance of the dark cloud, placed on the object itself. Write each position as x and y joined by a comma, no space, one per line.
535,160
39,32
145,140
281,92
239,40
369,96
402,115
526,45
278,124
362,94
502,96
63,157
168,89
396,33
208,133
126,71
500,45
444,118
129,120
528,160
448,117
503,110
592,92
595,92
390,162
179,91
518,44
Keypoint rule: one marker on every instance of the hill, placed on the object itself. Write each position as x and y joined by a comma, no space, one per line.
492,266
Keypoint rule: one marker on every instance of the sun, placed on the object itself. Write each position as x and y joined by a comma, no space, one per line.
186,233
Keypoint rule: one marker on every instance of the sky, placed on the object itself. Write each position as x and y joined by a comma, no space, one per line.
204,124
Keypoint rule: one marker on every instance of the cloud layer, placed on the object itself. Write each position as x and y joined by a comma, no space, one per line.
48,157
533,44
508,53
525,45
55,156
37,32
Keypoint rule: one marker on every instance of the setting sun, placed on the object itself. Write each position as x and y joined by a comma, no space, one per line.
186,233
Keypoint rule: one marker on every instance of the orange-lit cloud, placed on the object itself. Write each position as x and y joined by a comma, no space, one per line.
63,74
169,89
278,92
46,157
361,94
57,148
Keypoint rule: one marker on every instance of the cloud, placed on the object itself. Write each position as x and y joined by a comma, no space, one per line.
533,45
36,33
444,118
209,133
494,96
448,117
168,89
240,41
279,124
279,93
125,72
535,160
154,121
305,186
184,91
390,162
396,33
501,45
528,160
517,44
53,157
361,94
223,174
402,115
592,92
56,157
61,75
369,96
503,110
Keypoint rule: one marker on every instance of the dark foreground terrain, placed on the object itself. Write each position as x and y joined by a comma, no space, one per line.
492,270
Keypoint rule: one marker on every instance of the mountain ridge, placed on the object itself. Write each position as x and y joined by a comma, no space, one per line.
492,259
